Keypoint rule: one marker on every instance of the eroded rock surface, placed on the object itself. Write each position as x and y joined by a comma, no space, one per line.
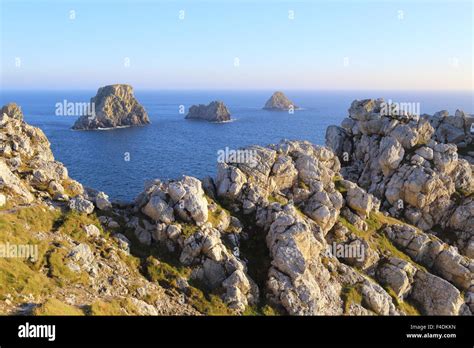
113,106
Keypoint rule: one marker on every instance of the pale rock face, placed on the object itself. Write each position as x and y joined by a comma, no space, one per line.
296,273
193,205
115,106
230,181
13,111
81,254
3,200
398,159
26,148
91,231
398,275
360,201
430,252
158,210
338,140
391,154
279,102
81,205
377,299
216,111
436,295
102,201
12,183
425,152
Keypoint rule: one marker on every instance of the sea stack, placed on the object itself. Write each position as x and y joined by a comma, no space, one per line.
279,102
113,106
216,111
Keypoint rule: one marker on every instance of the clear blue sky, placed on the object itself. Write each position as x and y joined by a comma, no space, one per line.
431,47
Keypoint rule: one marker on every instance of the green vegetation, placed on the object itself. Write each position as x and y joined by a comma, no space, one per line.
376,238
55,307
59,270
120,306
72,223
351,294
19,276
276,198
201,299
337,183
215,217
303,185
188,229
405,306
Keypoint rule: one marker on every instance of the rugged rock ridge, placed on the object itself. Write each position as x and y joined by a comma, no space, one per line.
77,269
400,161
279,102
262,237
115,106
296,200
27,166
215,111
452,129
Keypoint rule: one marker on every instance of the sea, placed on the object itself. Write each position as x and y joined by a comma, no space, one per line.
119,161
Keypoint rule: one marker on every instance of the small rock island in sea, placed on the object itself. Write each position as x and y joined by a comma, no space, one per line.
114,106
216,111
279,102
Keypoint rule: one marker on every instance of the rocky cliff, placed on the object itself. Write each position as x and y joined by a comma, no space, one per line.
405,162
113,106
289,233
279,102
215,111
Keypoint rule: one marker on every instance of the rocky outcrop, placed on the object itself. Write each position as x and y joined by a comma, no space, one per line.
113,106
279,102
452,129
215,111
80,268
403,160
290,232
28,170
179,212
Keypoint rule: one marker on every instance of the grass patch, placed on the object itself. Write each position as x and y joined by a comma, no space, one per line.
55,307
375,237
350,294
60,272
338,185
114,307
405,306
72,224
276,198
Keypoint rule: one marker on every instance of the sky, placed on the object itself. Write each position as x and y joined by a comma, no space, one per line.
237,44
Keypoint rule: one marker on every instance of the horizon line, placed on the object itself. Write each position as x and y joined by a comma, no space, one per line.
243,89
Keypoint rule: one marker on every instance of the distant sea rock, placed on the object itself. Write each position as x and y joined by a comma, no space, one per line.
278,101
216,111
114,106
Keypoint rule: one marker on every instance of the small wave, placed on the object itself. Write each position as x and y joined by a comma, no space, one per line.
229,121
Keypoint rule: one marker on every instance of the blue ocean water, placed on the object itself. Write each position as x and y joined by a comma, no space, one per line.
172,146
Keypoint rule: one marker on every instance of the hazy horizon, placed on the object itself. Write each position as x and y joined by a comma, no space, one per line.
237,45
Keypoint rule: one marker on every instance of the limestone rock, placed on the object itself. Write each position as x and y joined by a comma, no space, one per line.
115,106
215,111
279,102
